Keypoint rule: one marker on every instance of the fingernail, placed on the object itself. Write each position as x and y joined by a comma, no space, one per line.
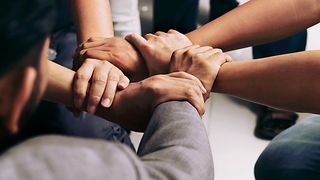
124,84
91,109
106,103
203,90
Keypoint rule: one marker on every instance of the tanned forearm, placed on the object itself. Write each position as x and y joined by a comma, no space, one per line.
92,18
289,82
257,22
123,110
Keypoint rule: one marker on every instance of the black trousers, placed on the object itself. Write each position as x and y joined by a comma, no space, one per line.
181,15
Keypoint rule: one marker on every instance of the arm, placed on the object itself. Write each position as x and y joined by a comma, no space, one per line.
288,82
177,130
175,146
257,22
133,106
92,19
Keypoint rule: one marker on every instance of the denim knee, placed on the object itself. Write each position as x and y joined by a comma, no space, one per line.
294,154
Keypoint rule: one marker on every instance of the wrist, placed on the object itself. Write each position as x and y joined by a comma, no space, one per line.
191,38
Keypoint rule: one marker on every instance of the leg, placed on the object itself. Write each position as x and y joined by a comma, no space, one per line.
292,155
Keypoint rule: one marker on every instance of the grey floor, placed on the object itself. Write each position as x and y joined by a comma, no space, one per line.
229,124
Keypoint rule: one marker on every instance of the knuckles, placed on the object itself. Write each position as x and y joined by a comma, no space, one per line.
99,80
81,76
154,84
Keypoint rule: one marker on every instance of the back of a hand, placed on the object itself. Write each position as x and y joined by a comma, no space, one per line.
202,62
157,48
141,98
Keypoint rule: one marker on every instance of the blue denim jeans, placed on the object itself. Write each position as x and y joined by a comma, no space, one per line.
292,155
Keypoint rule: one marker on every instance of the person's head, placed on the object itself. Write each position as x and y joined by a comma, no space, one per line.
24,29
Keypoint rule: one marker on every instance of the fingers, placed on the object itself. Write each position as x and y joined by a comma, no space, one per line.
178,56
111,87
190,77
99,81
124,82
192,93
196,100
160,33
105,79
150,36
179,53
138,41
95,54
92,44
81,82
229,59
217,56
175,86
171,31
92,39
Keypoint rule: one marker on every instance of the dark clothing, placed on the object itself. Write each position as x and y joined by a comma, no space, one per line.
291,44
64,16
220,7
180,15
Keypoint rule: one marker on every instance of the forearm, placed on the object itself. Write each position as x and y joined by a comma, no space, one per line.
92,18
256,22
288,82
176,142
60,87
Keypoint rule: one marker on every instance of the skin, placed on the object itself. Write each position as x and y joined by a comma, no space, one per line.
288,82
93,18
99,74
203,62
32,81
133,106
257,22
245,26
129,61
256,80
87,19
20,97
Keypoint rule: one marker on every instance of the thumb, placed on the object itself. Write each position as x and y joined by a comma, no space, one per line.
137,41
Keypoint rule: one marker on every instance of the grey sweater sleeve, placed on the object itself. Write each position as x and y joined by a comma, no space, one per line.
174,146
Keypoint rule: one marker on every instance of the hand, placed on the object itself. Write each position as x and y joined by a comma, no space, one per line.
118,52
176,86
202,62
139,100
105,80
157,49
